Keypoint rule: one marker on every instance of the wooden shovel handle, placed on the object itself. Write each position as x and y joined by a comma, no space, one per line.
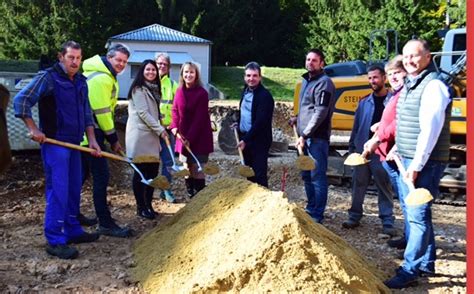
167,141
300,149
241,154
178,135
403,171
84,149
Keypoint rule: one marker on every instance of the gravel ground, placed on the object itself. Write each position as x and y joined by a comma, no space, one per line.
105,265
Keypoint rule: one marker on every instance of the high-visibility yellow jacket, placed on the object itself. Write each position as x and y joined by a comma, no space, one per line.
168,89
103,95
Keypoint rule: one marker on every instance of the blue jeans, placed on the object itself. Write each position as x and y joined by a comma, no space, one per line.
315,181
393,173
99,168
62,167
420,253
361,177
166,157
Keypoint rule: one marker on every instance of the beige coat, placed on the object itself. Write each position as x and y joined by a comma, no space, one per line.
142,136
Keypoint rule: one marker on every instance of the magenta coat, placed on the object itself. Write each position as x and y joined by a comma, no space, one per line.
190,114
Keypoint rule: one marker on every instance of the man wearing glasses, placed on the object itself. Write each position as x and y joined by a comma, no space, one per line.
168,89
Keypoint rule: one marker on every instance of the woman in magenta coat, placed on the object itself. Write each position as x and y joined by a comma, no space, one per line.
190,118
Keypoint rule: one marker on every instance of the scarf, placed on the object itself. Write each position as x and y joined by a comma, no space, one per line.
155,90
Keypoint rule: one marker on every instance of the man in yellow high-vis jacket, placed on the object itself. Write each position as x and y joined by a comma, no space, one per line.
168,89
101,73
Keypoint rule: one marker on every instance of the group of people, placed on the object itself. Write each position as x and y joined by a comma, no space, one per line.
78,108
410,120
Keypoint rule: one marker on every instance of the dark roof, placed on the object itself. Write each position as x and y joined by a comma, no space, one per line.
158,33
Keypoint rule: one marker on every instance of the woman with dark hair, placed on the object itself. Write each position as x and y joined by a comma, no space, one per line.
143,132
190,118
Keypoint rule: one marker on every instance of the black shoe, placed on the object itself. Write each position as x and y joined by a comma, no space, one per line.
114,231
426,274
84,238
62,251
350,224
401,280
86,221
145,213
400,243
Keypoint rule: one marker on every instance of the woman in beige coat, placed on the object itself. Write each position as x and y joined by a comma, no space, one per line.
143,132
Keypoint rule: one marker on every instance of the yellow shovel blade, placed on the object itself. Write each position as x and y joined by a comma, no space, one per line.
304,162
246,171
146,158
355,159
211,169
160,182
418,196
181,173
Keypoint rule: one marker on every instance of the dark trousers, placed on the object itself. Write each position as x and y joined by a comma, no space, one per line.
99,168
256,157
144,193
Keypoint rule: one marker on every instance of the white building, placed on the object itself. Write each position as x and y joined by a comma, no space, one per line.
147,41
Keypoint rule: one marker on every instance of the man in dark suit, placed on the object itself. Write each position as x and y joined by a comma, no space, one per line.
255,123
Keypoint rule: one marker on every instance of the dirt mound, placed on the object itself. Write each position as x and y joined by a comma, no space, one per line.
239,237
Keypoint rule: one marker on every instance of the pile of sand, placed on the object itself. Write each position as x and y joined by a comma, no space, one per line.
239,237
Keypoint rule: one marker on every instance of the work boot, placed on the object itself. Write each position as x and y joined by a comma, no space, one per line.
168,196
62,251
199,184
114,230
350,224
190,187
84,238
400,243
86,221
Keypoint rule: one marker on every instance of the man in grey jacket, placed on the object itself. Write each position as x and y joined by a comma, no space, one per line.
316,106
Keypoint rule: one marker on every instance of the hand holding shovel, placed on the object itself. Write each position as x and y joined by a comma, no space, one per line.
303,162
209,169
244,170
415,196
153,183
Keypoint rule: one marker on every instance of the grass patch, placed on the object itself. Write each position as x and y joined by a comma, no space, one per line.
279,81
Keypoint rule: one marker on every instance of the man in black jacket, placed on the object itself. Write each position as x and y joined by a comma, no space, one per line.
255,123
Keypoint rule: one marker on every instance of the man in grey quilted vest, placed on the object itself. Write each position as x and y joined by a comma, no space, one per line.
422,140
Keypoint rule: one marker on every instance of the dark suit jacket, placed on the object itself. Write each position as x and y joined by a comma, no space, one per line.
260,134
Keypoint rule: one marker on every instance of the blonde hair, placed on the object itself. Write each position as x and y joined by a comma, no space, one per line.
395,63
197,81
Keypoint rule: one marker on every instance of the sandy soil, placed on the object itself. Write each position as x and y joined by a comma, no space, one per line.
106,265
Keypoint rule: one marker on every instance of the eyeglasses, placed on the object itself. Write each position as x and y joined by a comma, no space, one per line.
162,63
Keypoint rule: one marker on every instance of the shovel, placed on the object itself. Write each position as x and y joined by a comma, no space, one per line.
152,183
355,159
160,182
415,196
209,169
244,170
179,171
303,162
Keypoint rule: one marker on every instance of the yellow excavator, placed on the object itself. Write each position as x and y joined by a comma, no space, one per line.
350,79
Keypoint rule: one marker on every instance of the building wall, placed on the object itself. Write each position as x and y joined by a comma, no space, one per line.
199,53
